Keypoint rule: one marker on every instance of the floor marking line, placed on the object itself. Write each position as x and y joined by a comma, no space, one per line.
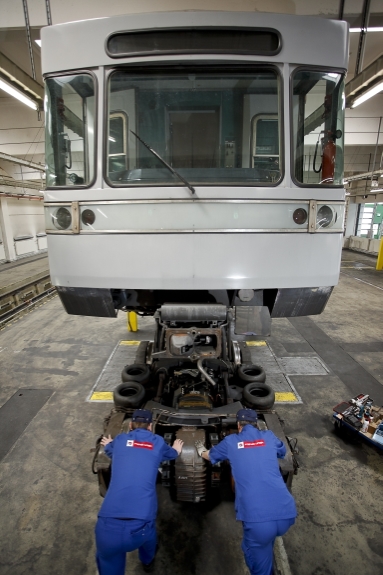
102,396
255,343
287,396
129,342
102,371
293,388
363,281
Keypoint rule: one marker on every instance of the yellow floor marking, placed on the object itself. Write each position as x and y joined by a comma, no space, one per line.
255,343
101,396
285,396
128,342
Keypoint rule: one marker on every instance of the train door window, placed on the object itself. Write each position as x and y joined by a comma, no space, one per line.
70,126
194,138
197,120
318,116
265,144
117,142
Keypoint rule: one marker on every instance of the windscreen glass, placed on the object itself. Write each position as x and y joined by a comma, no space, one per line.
69,134
318,127
209,126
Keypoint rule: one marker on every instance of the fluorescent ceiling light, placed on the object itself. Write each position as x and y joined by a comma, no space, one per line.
38,42
19,95
374,29
367,95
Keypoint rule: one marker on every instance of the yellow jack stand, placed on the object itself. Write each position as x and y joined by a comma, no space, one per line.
379,263
132,321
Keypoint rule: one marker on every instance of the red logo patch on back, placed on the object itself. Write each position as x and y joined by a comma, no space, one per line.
256,443
140,444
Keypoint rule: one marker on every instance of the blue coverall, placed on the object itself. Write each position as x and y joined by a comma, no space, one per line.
262,501
126,520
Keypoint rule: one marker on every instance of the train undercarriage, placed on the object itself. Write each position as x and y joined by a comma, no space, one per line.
194,377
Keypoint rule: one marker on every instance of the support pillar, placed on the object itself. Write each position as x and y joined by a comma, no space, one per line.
6,230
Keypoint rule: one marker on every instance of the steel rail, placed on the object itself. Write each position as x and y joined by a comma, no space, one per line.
14,296
18,311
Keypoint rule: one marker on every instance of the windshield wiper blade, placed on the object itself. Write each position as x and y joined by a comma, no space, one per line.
165,163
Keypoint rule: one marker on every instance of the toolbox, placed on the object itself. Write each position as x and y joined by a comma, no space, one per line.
362,417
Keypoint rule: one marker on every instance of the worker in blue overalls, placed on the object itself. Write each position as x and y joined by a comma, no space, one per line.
126,520
262,501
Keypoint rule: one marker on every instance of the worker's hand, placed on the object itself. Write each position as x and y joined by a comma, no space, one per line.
177,445
105,440
200,447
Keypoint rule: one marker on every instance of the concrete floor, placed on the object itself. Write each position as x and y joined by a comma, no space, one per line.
15,273
49,497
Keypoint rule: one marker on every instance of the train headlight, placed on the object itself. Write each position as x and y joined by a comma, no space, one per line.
325,217
300,216
62,218
88,217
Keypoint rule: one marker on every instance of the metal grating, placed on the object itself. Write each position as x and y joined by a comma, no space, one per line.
302,366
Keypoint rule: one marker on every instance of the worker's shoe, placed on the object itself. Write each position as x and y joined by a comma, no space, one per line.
149,567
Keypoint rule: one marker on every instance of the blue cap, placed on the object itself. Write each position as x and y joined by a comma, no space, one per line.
247,415
142,415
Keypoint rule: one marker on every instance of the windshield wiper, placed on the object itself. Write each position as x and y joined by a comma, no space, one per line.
165,163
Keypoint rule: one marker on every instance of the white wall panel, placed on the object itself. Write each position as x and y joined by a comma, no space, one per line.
27,217
25,246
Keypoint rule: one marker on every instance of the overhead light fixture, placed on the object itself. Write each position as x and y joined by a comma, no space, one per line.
372,29
367,95
38,42
17,94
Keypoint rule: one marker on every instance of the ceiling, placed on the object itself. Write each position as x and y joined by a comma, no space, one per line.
21,130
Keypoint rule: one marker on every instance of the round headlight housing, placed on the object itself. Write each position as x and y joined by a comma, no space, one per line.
300,216
88,217
325,217
62,218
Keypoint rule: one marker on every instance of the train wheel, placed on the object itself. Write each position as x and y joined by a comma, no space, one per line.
259,395
129,394
138,372
251,372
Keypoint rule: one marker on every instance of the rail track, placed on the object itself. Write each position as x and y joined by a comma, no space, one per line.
20,297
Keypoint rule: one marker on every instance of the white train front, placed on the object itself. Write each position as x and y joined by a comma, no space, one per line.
195,157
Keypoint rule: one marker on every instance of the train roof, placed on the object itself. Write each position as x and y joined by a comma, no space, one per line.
305,40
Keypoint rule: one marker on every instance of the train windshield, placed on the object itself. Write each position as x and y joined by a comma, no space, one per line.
211,126
69,132
318,118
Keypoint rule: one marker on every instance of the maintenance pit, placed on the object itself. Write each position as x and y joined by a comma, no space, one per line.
53,367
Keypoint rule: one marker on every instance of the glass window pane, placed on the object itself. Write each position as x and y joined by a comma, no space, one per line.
318,127
117,134
207,125
265,138
70,121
